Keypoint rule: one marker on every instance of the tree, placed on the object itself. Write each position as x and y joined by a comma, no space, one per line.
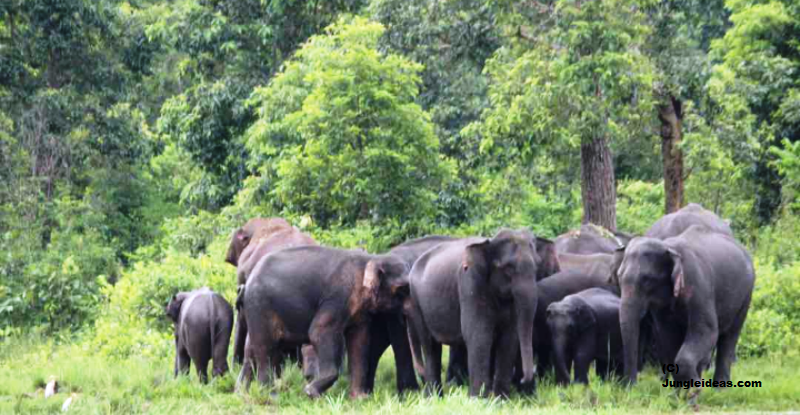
678,46
339,135
576,75
759,64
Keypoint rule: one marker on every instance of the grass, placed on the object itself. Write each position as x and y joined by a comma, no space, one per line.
102,385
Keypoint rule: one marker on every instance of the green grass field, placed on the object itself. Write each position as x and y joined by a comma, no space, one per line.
133,386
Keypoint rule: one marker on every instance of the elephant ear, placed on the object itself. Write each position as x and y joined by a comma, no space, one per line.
616,263
174,306
549,265
239,240
476,256
678,279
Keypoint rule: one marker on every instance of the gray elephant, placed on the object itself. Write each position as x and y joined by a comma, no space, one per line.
480,293
322,296
697,288
203,323
585,328
676,223
591,239
390,328
255,239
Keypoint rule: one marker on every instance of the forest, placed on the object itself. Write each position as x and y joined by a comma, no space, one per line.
136,136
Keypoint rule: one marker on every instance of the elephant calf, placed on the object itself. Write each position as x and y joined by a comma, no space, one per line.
585,327
203,323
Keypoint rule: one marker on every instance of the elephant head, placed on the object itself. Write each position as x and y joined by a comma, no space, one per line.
508,265
567,321
173,309
385,282
253,230
650,276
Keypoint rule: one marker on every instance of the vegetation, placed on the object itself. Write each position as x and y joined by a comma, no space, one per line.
136,135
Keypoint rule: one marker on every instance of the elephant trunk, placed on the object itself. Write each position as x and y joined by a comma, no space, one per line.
630,316
525,300
560,345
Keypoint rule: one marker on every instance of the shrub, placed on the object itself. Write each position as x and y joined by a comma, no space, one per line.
639,205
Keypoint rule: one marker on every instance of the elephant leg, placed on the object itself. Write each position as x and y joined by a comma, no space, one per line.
263,347
310,361
378,343
582,362
220,352
670,337
201,366
239,339
479,336
181,361
506,348
726,346
431,352
358,359
457,372
404,361
601,368
697,347
246,372
326,337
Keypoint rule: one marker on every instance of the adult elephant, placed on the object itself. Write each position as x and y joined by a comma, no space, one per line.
257,238
676,223
591,239
480,293
390,328
697,287
322,296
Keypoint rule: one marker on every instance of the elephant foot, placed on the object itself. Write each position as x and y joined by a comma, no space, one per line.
358,395
311,391
527,387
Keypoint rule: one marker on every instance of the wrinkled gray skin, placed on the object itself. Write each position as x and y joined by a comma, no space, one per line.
676,223
593,264
585,328
203,323
697,287
391,329
322,296
480,293
588,240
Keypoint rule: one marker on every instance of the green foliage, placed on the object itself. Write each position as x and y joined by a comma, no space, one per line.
133,320
774,316
339,135
639,205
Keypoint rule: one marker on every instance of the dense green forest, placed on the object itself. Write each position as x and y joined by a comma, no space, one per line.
136,135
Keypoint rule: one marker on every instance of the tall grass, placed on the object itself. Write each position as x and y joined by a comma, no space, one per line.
145,385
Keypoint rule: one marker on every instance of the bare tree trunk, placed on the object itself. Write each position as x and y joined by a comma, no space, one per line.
598,187
669,113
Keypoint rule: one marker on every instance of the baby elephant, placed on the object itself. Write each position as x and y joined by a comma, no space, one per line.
585,327
203,323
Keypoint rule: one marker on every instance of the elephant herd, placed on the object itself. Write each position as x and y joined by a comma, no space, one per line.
511,307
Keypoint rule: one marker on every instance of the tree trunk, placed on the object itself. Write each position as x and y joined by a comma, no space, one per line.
598,187
671,134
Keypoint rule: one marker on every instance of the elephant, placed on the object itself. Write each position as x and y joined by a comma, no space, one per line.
391,329
593,264
585,328
552,290
697,287
203,322
480,293
322,296
675,223
257,238
591,239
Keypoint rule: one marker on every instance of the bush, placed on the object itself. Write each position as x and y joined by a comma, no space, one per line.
774,318
133,320
639,205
